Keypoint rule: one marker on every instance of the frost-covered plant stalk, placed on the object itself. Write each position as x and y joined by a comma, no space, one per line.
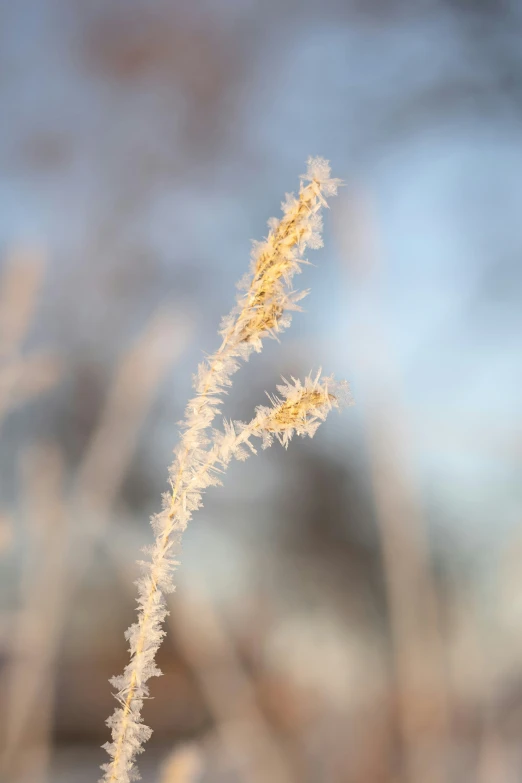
263,308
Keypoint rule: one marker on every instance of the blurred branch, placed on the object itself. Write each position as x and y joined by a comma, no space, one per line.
19,286
20,378
245,733
183,765
55,575
28,678
412,596
113,442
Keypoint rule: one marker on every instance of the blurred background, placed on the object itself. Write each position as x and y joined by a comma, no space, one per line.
349,611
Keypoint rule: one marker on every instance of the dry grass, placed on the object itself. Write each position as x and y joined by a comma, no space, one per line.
263,309
422,724
50,577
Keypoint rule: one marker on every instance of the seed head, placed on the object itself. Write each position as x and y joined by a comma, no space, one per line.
264,307
300,409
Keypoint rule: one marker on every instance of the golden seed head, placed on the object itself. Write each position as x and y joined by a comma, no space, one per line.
300,409
294,413
275,260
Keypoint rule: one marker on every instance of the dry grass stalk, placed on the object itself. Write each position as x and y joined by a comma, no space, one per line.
28,672
6,532
21,379
420,666
20,282
262,310
247,737
141,370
